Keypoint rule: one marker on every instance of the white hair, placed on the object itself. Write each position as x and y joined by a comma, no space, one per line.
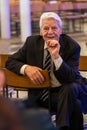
47,15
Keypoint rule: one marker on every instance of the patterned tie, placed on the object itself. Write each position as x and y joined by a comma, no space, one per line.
47,66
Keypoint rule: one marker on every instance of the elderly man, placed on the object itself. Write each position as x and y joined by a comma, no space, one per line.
59,54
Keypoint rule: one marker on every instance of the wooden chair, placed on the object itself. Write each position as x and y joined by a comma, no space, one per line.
81,8
37,8
70,17
23,82
3,59
83,63
8,91
20,82
52,6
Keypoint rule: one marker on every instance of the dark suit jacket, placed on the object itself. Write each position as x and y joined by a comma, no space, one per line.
32,53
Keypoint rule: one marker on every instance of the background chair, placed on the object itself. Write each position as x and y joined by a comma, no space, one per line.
37,8
54,6
72,20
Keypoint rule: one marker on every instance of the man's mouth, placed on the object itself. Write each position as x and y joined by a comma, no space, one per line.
50,37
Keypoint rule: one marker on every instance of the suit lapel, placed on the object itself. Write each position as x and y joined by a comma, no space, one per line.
39,53
62,47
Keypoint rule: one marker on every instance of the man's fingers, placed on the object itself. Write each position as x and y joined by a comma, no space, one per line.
52,43
37,78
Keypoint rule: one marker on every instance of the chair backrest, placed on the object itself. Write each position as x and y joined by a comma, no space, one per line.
37,8
83,63
66,6
18,81
3,59
52,6
21,81
15,80
65,9
80,5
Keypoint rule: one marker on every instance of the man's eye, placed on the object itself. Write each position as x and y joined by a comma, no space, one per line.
54,28
45,28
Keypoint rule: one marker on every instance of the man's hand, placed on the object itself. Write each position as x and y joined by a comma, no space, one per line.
54,48
35,75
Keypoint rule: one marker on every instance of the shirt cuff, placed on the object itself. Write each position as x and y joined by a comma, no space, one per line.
22,69
58,62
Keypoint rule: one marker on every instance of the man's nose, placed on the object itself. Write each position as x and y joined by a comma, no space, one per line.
50,30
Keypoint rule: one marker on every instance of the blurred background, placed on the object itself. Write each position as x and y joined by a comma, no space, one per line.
20,18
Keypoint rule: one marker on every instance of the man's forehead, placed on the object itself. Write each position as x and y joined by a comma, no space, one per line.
49,19
49,22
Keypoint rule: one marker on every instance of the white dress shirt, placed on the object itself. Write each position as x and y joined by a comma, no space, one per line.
57,62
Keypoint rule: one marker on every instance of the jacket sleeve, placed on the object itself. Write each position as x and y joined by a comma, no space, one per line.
68,71
17,60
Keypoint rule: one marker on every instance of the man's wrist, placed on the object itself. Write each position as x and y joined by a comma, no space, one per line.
22,70
56,56
58,62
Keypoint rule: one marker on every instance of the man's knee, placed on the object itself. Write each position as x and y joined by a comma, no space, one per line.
73,88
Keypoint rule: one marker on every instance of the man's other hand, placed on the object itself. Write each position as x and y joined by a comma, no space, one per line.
35,75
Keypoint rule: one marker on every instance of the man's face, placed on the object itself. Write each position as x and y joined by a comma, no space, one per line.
50,29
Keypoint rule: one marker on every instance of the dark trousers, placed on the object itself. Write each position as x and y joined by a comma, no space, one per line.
65,100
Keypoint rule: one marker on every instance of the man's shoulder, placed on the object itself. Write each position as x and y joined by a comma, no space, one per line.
34,41
68,40
35,37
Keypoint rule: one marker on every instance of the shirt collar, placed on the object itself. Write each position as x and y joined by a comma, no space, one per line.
45,46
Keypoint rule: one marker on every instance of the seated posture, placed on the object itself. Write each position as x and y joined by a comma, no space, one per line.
59,54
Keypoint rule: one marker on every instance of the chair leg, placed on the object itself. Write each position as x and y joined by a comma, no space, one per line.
17,93
6,91
28,93
10,95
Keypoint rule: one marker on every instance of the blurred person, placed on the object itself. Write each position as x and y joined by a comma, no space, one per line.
37,119
9,115
68,88
2,79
